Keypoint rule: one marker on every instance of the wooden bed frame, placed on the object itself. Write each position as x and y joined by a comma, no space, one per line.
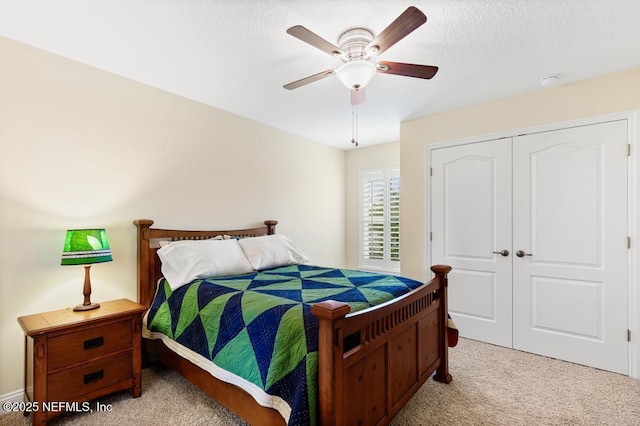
382,354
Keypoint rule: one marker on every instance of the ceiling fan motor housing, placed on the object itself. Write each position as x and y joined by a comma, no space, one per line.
354,43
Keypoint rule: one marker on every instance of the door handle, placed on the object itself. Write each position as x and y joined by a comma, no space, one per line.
504,252
521,253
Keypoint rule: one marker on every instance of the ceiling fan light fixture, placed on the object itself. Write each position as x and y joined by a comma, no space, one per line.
356,74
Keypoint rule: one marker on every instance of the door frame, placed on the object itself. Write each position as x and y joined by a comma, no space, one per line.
633,203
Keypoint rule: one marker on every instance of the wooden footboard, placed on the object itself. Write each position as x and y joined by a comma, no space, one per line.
382,354
370,362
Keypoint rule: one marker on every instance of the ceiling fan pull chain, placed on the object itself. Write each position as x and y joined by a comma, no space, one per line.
354,125
356,109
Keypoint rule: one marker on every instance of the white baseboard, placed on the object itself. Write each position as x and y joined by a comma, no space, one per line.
15,396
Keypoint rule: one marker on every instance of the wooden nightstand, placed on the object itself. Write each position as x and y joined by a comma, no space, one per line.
79,356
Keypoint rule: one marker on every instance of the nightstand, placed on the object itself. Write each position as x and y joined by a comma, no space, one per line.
73,357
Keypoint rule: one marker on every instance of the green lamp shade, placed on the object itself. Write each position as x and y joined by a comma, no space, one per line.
86,246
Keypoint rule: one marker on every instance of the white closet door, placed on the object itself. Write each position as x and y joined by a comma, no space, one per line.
570,288
471,219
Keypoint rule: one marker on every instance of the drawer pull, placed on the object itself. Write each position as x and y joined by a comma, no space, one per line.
93,343
93,377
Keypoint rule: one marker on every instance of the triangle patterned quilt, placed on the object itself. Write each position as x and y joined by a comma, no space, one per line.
260,328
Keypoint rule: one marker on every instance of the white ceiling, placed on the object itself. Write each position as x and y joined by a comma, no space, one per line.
236,54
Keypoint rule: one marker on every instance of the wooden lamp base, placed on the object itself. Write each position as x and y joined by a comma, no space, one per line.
86,291
88,307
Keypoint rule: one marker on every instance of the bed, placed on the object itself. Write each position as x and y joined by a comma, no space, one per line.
382,353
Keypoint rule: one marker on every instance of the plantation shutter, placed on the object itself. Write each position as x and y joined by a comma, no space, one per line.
394,220
380,220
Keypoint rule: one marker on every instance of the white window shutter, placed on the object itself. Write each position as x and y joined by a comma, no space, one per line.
394,220
380,220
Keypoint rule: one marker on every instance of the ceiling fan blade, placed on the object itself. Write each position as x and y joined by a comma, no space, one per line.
307,80
358,96
315,40
407,70
404,24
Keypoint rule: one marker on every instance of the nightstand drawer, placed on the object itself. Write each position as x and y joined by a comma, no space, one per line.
86,344
73,383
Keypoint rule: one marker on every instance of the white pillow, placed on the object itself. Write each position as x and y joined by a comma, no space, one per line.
185,261
271,251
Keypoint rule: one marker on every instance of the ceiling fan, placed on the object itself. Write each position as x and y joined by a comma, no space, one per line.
358,49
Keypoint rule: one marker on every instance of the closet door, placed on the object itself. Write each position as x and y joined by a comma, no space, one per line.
570,228
471,227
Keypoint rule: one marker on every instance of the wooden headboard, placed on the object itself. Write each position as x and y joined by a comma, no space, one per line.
149,241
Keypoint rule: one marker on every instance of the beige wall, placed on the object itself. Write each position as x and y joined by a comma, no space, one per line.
80,147
358,160
603,95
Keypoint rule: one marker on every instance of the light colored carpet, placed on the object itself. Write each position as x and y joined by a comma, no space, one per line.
491,386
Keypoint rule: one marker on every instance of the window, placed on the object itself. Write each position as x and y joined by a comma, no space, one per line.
380,220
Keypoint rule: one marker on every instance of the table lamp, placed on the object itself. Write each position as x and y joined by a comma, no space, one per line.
85,247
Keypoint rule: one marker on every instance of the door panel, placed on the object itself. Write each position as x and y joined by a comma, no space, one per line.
549,313
570,218
471,218
566,196
474,294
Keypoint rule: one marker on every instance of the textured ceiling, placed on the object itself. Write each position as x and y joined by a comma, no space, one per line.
236,54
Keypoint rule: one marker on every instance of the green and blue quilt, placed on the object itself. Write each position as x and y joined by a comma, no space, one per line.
260,327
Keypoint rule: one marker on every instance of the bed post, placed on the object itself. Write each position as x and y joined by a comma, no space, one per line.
330,382
442,373
144,295
271,226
